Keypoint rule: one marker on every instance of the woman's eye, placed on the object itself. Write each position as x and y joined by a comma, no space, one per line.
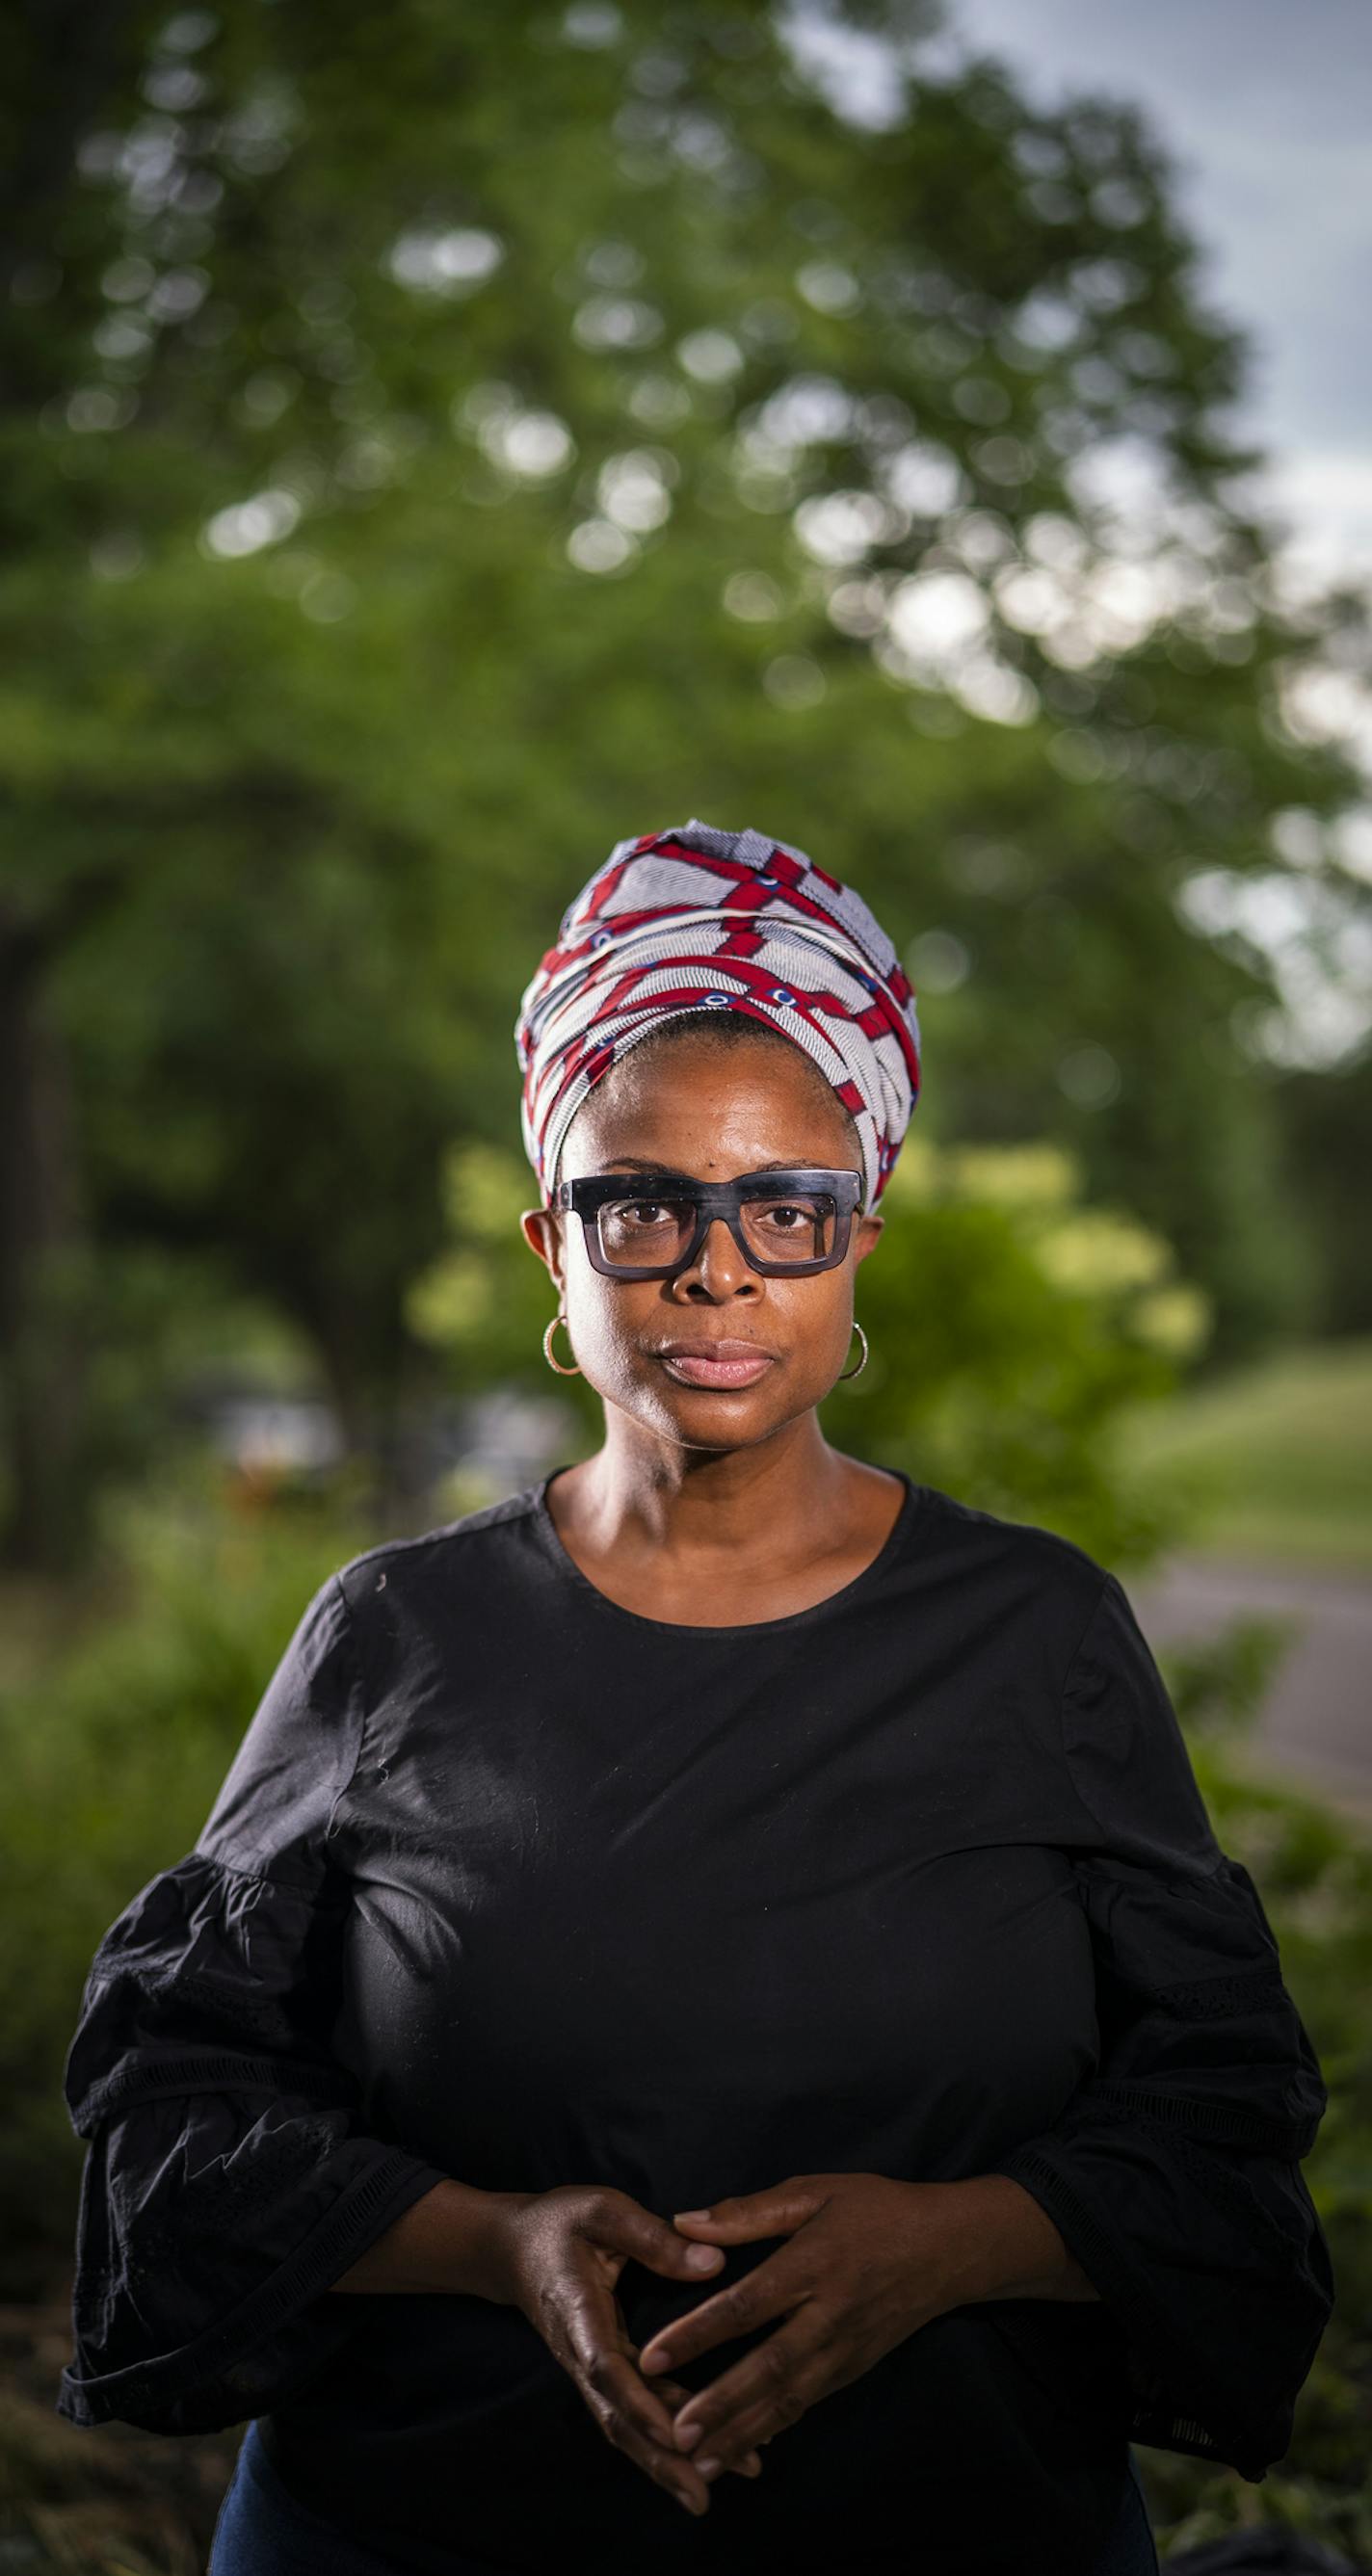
643,1211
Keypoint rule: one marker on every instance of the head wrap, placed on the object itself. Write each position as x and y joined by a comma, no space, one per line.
696,919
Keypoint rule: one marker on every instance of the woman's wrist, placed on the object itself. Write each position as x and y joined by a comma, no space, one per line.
1001,2243
451,2241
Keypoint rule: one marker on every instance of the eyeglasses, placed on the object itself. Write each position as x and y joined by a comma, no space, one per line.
650,1225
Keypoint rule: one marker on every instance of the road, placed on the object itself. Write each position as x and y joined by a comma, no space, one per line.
1316,1726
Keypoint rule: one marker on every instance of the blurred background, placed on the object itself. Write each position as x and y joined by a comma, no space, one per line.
439,443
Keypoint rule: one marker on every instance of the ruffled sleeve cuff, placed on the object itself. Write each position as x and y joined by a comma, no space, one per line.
266,2347
230,2180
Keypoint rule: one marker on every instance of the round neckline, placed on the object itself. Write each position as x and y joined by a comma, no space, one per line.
566,1565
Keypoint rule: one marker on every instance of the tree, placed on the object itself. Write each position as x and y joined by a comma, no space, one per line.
440,442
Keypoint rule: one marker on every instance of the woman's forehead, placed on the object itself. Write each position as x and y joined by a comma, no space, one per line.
702,1110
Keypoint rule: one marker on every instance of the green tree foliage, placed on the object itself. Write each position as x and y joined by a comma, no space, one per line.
439,442
113,1748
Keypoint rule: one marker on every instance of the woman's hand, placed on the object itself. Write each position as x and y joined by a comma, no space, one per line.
867,2262
558,2255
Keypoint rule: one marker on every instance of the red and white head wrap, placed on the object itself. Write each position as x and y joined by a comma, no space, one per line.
696,919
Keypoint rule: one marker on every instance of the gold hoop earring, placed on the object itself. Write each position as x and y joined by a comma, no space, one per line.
862,1363
559,1318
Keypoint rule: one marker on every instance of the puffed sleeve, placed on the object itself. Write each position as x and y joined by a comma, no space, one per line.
226,2184
1173,2172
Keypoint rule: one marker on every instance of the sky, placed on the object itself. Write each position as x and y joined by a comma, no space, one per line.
1265,109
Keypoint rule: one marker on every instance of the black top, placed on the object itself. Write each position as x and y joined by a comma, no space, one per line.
510,1883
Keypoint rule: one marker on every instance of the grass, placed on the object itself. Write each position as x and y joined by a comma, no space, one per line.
1276,1461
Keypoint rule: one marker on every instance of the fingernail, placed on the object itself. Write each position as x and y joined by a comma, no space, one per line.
687,2435
709,2468
690,2213
703,2258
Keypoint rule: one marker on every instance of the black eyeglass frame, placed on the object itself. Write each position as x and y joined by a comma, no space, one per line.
585,1198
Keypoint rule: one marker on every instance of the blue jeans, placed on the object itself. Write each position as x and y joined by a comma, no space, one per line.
1131,2549
262,2531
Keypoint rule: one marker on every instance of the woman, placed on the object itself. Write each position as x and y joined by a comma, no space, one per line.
708,1982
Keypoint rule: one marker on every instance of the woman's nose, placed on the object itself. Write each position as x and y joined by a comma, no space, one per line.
719,1264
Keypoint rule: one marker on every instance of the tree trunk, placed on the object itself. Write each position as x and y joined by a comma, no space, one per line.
43,1275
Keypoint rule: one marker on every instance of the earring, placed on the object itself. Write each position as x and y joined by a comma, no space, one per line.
559,1318
862,1363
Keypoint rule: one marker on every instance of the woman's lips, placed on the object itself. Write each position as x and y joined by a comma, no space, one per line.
695,1371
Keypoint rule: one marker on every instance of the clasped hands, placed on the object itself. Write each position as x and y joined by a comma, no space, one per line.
866,2262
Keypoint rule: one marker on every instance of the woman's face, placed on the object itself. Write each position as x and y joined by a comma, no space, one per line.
714,1113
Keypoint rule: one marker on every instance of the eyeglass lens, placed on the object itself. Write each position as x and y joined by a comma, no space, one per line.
649,1232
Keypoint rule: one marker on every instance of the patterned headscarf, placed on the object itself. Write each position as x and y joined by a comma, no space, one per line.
696,919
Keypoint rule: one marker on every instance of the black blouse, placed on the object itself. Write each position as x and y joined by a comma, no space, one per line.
509,1883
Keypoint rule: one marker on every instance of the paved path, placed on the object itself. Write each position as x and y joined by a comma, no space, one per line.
1316,1725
